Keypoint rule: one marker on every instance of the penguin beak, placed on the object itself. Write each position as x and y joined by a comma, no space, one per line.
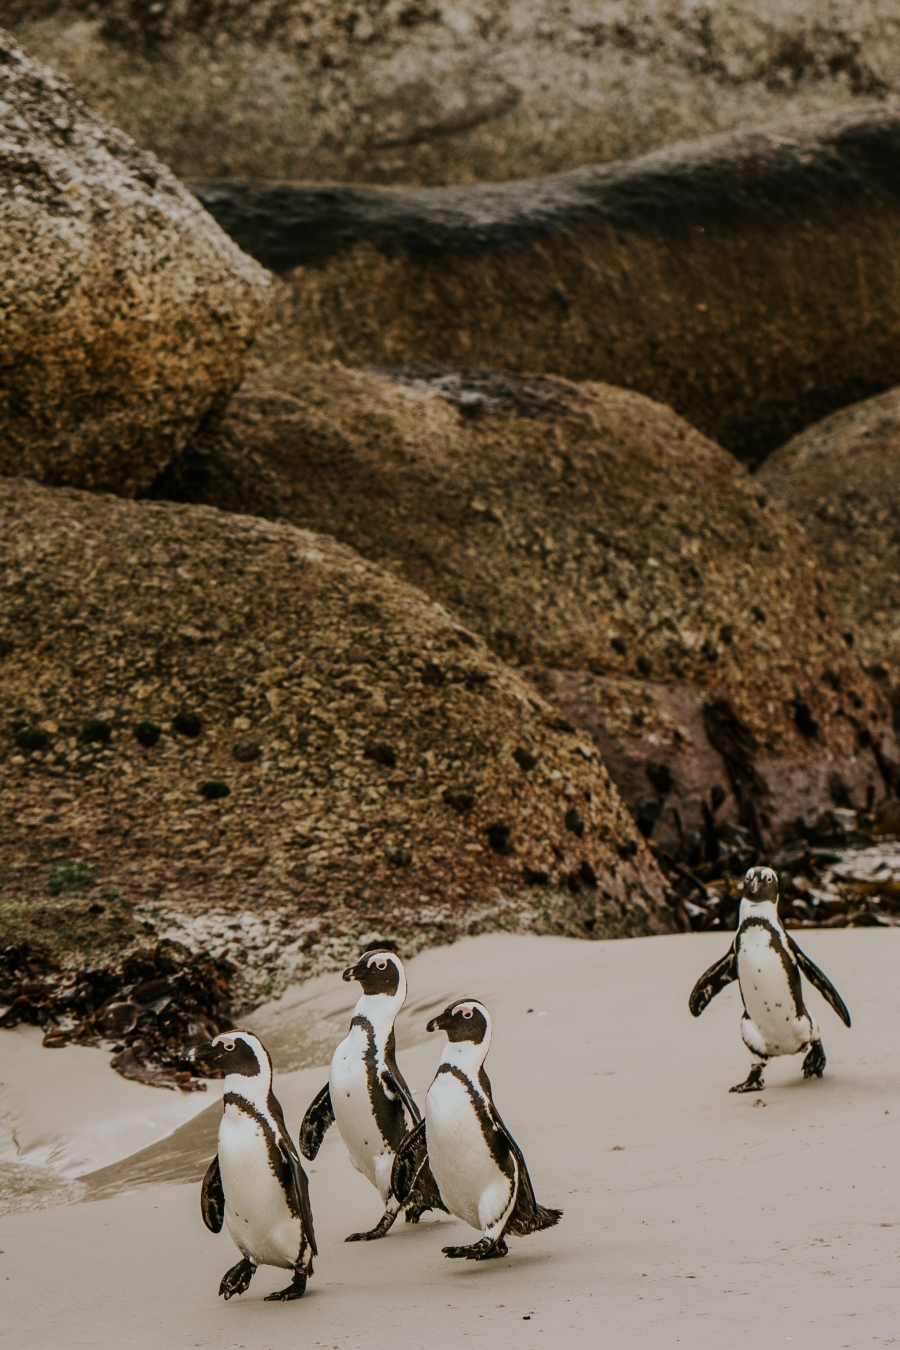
207,1054
438,1023
352,973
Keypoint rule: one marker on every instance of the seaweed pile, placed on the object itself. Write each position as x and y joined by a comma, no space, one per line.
150,1012
841,869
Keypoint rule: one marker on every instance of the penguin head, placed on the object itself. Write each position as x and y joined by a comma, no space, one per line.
379,972
236,1052
761,886
465,1020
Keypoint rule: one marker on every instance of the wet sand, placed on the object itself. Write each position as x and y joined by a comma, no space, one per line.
692,1217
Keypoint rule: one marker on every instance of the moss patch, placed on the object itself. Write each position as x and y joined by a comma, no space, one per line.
74,932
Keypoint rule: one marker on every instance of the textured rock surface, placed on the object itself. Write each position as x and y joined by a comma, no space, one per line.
427,92
746,280
592,534
157,657
841,478
125,314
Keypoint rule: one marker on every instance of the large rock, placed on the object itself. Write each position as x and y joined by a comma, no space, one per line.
203,712
841,478
421,92
746,280
595,537
125,312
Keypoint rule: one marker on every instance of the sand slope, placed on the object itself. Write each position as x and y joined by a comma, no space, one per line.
692,1217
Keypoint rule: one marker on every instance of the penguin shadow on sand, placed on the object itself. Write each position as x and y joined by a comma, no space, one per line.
767,964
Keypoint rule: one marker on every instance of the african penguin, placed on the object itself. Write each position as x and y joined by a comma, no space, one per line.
256,1184
367,1095
767,962
478,1166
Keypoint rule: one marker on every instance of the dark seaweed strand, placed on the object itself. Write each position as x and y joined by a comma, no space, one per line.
724,182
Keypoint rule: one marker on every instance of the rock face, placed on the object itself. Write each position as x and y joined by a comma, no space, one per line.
841,478
747,280
203,711
125,314
595,537
421,92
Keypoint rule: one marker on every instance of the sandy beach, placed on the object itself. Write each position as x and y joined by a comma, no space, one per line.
692,1217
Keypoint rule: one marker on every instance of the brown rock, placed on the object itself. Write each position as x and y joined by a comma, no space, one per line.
595,537
425,92
841,478
746,280
142,613
125,312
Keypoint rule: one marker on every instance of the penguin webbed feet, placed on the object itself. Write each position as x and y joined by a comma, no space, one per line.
237,1279
486,1250
296,1289
380,1230
814,1063
753,1082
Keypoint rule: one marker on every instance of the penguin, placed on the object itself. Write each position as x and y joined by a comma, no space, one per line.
478,1166
367,1095
767,962
256,1184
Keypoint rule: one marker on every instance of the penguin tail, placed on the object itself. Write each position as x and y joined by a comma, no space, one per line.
546,1218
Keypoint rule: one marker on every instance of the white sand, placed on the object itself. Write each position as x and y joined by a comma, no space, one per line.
67,1110
693,1217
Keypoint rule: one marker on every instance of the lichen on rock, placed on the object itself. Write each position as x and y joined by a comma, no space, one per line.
593,536
840,479
125,312
145,612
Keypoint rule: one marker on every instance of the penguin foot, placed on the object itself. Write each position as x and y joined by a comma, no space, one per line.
485,1250
237,1279
296,1289
814,1064
752,1083
380,1230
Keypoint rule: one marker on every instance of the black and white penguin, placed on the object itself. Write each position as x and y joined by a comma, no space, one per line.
478,1166
767,962
256,1184
367,1095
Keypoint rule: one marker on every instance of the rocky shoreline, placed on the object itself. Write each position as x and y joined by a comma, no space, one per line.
426,589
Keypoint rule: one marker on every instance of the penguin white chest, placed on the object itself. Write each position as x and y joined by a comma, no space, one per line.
352,1106
257,1214
472,1186
767,996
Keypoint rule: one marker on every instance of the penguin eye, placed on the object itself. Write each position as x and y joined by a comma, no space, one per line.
467,1013
381,965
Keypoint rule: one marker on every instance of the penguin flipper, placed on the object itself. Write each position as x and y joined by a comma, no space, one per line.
397,1087
412,1180
527,1215
316,1123
212,1198
713,981
395,1081
409,1159
296,1179
301,1193
820,981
